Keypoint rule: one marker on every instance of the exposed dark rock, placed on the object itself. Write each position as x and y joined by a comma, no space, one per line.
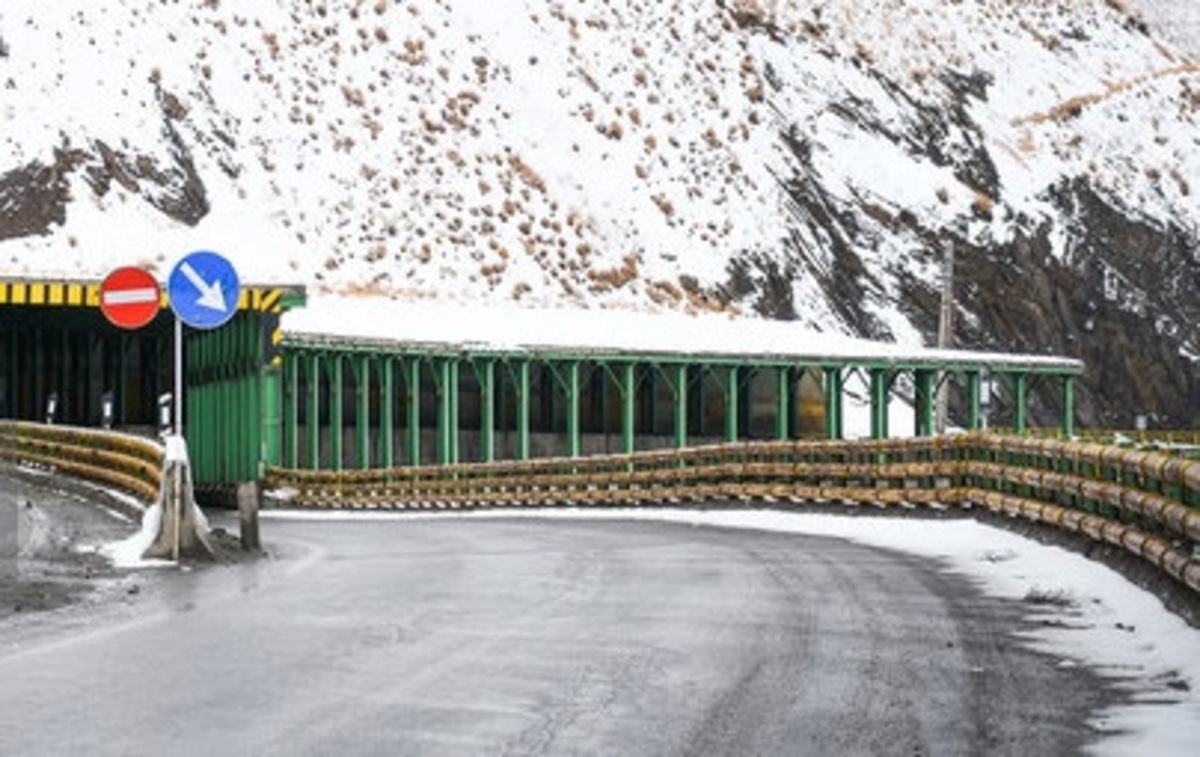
835,266
766,282
1139,311
1126,300
34,197
1125,303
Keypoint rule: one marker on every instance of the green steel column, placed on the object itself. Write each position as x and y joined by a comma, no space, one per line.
681,405
1068,398
442,368
225,437
455,448
731,404
256,443
336,422
362,419
214,394
413,381
974,400
272,391
232,413
234,408
573,436
925,405
291,426
879,403
387,412
523,400
245,414
1020,402
833,403
198,448
783,403
314,411
487,391
628,419
218,396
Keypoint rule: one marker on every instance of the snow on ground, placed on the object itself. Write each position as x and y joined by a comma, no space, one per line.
1177,20
128,552
1097,617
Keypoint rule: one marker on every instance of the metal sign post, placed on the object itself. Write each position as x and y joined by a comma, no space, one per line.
177,425
203,289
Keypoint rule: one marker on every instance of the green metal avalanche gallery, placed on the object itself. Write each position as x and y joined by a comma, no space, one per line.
260,393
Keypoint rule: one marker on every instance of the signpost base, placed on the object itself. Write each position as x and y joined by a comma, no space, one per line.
183,530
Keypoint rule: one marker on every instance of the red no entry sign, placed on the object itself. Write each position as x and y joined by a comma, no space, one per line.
129,297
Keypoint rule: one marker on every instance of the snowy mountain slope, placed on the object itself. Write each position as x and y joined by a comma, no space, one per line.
805,160
1176,20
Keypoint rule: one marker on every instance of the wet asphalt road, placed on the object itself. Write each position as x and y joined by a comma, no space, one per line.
531,637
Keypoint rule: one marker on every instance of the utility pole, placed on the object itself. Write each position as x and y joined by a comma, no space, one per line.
945,338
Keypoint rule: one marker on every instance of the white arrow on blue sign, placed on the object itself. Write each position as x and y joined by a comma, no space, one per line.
203,289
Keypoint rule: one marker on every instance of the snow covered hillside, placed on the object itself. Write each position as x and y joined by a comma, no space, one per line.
798,160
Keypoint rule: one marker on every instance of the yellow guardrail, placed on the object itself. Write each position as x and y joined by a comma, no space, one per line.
130,463
1184,443
1144,502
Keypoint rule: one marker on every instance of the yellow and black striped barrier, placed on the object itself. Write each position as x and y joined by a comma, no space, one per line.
38,293
50,293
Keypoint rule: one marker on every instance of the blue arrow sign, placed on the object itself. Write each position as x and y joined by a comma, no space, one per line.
203,289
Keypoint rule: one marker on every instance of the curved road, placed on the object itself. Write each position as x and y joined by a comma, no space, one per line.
529,637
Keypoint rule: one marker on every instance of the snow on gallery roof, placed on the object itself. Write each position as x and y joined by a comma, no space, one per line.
456,327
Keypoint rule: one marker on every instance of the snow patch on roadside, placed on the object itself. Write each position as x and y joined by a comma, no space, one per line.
127,553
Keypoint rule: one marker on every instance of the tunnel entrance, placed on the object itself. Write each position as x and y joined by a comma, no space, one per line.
60,359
